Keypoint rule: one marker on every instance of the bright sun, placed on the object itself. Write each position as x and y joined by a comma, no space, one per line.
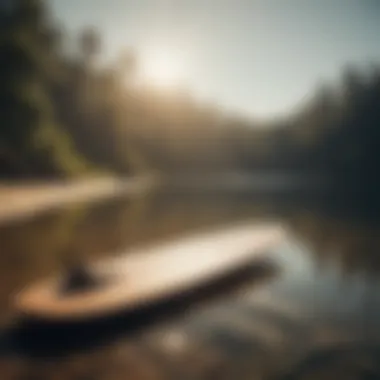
163,68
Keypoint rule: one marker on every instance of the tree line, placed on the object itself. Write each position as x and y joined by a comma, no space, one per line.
63,114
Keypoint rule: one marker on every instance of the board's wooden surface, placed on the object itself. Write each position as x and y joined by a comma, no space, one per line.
138,278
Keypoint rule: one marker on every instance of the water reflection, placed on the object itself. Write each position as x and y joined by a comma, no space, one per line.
318,317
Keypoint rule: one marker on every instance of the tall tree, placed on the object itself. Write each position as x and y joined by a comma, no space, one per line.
27,62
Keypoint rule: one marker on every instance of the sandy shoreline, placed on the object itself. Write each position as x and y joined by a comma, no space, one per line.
18,201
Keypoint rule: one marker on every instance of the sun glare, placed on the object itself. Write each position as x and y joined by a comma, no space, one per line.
163,68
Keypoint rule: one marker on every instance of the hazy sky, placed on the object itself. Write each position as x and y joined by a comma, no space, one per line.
259,56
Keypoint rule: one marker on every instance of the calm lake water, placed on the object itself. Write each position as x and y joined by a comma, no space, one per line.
315,315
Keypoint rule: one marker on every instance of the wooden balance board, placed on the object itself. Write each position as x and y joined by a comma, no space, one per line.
136,279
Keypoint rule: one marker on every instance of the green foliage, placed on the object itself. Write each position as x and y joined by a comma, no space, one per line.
29,129
345,128
68,115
